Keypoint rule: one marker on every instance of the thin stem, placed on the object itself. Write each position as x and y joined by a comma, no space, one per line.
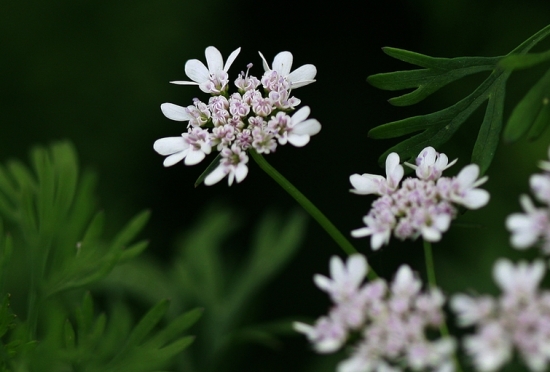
314,212
430,272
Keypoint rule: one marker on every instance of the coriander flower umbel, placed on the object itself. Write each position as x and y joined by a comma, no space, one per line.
533,226
413,207
389,322
259,116
518,319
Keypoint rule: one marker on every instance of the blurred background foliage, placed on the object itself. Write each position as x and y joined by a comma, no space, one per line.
96,72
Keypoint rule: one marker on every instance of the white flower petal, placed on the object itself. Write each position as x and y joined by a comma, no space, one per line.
264,62
297,140
215,176
170,145
184,82
175,112
231,59
196,70
282,63
365,184
309,127
175,158
301,115
475,198
241,172
194,157
213,59
304,74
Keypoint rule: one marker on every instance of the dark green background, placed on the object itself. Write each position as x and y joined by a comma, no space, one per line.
97,72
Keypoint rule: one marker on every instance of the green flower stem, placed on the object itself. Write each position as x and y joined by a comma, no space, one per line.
314,212
430,271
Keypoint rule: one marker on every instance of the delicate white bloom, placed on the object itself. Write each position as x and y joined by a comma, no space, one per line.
232,164
282,64
521,279
345,279
211,79
490,349
527,228
192,146
431,164
302,128
233,123
414,207
470,310
519,319
374,184
463,190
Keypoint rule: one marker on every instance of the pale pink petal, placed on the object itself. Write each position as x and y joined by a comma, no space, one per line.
365,184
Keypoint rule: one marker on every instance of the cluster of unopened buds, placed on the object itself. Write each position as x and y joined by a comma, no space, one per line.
423,206
392,321
257,117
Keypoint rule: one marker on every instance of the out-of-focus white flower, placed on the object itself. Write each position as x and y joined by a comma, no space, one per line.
431,164
464,189
414,207
391,326
527,228
518,319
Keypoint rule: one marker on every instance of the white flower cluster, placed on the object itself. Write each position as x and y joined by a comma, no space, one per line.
533,226
391,319
519,318
419,206
249,119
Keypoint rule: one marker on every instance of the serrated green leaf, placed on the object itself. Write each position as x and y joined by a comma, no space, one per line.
213,165
130,230
95,229
146,325
542,121
489,132
175,328
435,128
439,72
133,251
527,110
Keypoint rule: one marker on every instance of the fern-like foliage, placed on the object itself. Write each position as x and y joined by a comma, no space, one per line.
530,116
52,248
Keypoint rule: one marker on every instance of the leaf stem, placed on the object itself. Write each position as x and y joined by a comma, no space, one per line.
313,211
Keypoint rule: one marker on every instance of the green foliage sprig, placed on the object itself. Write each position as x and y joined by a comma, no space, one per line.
52,248
438,127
